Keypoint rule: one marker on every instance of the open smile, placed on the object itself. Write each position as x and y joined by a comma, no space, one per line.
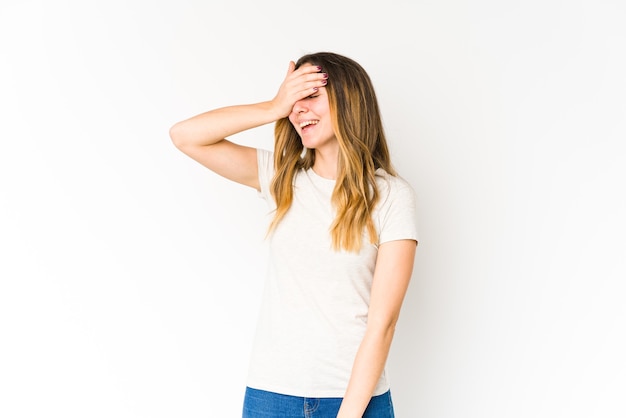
308,124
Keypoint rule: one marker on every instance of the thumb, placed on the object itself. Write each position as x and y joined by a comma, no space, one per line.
292,67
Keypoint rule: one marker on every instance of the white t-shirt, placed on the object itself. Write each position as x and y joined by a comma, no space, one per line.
315,303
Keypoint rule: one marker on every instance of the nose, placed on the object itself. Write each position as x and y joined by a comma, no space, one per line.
299,107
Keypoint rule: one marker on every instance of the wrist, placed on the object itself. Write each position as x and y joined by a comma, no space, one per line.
276,110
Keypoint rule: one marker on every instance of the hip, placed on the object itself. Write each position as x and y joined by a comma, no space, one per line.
264,404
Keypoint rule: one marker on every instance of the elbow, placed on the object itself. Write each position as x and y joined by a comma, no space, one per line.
176,135
384,327
390,327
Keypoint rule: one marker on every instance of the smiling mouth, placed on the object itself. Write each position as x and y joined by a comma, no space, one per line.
308,123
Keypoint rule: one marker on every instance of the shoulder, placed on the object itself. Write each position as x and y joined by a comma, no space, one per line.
264,157
265,161
393,187
396,211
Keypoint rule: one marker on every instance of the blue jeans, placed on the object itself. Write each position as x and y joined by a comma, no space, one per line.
262,404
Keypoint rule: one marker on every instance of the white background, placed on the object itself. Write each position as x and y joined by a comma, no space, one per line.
130,275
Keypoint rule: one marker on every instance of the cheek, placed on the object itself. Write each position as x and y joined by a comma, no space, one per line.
322,109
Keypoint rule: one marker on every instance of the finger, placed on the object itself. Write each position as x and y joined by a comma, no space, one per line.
305,82
308,73
311,88
309,69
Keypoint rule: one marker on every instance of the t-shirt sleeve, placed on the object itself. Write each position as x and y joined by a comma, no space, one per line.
265,161
398,212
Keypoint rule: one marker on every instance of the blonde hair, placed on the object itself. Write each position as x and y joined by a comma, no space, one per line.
357,125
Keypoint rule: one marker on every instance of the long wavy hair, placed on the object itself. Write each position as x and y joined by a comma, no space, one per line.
358,127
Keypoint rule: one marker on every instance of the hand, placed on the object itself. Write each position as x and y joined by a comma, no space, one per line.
297,85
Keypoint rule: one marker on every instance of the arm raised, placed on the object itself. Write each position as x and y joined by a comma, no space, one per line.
203,137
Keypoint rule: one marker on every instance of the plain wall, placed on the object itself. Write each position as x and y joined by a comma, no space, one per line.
130,276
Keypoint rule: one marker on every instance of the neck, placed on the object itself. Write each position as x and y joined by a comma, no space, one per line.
325,164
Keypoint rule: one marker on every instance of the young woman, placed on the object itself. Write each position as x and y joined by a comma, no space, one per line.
342,240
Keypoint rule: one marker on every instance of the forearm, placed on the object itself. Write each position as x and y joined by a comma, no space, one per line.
211,127
368,366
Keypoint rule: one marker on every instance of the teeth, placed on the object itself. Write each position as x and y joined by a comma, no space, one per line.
308,122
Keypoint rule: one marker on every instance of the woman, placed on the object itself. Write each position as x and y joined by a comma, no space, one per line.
342,240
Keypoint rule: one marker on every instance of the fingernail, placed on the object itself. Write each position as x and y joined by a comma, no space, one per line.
315,88
325,75
324,82
319,68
